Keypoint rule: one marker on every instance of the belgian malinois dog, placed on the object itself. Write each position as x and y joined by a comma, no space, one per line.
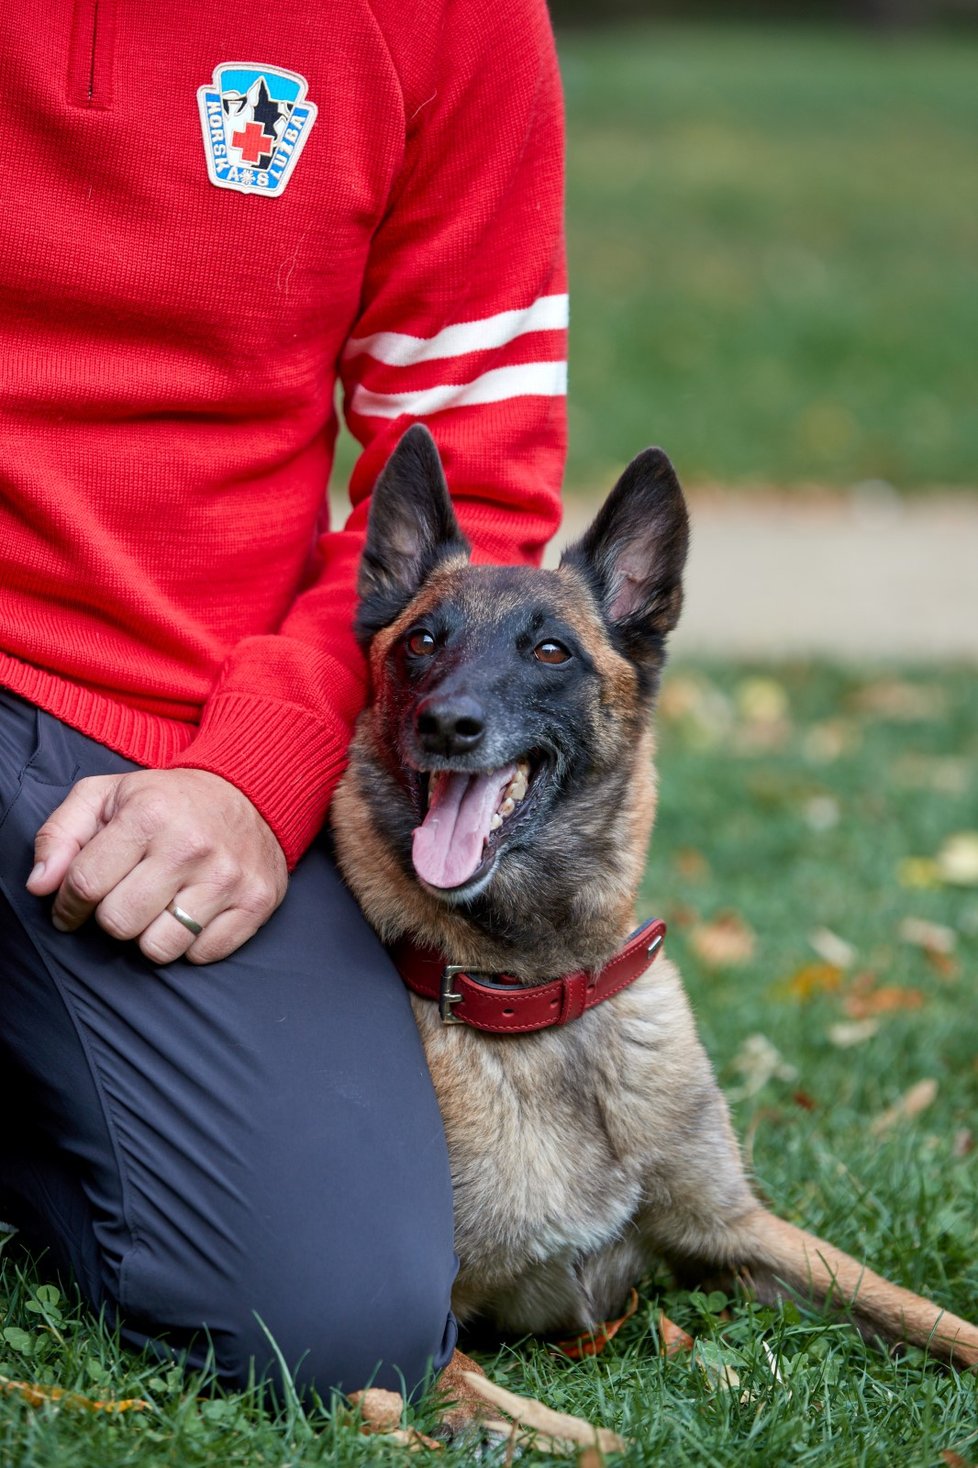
493,823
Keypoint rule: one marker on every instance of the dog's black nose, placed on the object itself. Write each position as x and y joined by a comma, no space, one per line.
450,725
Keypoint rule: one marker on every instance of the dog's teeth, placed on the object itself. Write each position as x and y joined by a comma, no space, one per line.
506,809
517,787
523,766
496,822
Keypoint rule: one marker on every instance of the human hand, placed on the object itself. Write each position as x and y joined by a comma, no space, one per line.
124,846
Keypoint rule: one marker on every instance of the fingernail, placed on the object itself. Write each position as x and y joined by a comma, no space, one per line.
36,873
60,923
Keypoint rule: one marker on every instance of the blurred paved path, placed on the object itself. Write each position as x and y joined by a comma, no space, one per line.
860,577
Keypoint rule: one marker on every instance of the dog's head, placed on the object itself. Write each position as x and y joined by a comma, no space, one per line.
505,758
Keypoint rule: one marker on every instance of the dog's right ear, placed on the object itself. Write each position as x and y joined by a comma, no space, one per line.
412,527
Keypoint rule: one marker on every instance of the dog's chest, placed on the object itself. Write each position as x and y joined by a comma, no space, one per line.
548,1168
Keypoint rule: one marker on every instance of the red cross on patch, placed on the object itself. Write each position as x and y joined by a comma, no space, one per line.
253,142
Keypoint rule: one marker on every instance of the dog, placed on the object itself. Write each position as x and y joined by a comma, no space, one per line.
493,823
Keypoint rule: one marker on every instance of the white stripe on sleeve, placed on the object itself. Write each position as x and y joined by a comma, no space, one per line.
531,379
397,349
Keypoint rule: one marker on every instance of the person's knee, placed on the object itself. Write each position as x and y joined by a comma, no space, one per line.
393,1336
344,1313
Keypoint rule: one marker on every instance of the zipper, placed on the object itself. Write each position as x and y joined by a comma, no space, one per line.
91,56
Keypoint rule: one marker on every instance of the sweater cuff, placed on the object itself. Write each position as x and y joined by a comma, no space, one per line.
286,760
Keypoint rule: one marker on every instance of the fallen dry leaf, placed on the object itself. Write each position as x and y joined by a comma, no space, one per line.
911,1104
533,1415
721,1374
864,1000
937,941
809,980
945,965
762,701
944,774
831,948
758,1061
412,1439
380,1410
893,698
760,737
527,1439
593,1342
718,1370
705,713
848,1033
932,937
918,872
955,865
673,1340
827,742
774,1367
957,860
953,1459
726,941
821,812
681,915
39,1395
964,1142
380,1416
691,865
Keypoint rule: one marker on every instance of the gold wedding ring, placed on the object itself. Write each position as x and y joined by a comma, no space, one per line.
189,923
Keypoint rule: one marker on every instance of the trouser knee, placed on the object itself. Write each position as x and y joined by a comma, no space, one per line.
397,1340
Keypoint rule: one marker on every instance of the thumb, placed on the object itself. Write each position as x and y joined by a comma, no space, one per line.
77,819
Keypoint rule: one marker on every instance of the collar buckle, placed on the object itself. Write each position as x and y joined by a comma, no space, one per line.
447,995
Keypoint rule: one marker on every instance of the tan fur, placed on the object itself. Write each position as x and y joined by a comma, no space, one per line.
580,1155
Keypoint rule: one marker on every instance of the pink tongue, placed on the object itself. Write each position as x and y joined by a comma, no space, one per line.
448,844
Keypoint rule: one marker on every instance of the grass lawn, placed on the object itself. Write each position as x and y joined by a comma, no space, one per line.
773,242
790,801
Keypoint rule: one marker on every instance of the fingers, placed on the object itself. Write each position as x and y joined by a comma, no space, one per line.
137,908
109,859
165,938
130,822
124,846
255,902
220,937
137,903
77,820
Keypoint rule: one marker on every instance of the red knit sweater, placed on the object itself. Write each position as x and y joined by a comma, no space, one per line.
170,347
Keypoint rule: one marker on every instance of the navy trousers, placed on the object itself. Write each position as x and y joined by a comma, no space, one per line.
225,1154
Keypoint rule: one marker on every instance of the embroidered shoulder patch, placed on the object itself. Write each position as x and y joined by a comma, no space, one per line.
256,121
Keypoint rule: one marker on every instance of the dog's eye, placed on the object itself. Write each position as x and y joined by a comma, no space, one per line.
420,643
551,652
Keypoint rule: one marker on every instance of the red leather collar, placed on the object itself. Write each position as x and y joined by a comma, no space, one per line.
500,1005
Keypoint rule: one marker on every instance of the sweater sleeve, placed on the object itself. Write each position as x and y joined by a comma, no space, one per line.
462,325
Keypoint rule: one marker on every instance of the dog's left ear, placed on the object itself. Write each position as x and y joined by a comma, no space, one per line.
634,552
412,527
